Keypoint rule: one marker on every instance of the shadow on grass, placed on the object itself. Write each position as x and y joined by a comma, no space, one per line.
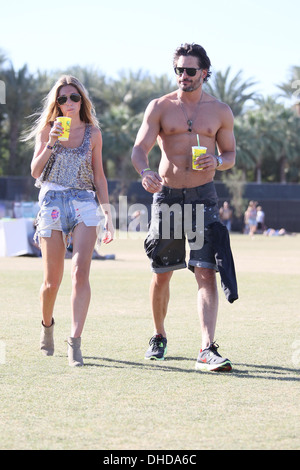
146,365
247,371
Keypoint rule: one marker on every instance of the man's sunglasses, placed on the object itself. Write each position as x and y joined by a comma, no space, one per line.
191,72
73,97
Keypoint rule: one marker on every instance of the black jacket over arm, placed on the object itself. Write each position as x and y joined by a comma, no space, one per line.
218,237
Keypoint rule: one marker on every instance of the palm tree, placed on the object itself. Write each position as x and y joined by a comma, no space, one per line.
234,92
245,140
235,182
128,97
116,140
268,138
2,110
20,88
291,88
3,59
2,83
137,89
284,136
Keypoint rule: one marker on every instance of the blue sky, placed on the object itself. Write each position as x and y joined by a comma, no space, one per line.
259,37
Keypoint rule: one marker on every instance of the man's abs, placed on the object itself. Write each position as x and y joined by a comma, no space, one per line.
178,173
176,160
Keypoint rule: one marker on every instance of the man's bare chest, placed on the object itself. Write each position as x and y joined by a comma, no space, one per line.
200,120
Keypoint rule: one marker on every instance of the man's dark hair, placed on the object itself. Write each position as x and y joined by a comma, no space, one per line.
196,51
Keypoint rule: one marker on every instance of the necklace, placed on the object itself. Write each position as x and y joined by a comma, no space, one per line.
189,121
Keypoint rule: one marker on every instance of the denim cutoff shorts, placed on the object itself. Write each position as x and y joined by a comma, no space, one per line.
63,210
170,210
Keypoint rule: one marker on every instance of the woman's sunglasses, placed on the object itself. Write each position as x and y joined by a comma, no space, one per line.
73,97
191,72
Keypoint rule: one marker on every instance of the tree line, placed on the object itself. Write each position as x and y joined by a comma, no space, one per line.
267,131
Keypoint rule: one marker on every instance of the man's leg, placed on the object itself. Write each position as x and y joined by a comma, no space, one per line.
159,296
207,302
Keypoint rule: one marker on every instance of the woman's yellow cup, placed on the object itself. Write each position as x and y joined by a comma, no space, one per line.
66,123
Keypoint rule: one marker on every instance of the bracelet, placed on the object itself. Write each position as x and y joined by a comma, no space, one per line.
145,169
49,147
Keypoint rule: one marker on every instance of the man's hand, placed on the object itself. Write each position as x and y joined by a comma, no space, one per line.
206,162
151,181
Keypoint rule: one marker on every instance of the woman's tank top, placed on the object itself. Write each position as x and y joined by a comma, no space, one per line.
70,167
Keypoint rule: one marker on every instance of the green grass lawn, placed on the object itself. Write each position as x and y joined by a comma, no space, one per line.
119,400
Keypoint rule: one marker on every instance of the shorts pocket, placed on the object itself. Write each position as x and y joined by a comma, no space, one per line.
48,199
84,196
87,212
158,198
48,219
49,216
150,245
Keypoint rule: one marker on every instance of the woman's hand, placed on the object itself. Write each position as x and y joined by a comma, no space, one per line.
108,231
55,132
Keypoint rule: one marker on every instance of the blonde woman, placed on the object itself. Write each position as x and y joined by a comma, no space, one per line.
69,174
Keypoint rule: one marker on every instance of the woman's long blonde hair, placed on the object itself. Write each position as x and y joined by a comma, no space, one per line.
51,109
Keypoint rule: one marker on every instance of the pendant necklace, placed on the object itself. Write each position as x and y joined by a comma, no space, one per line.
189,121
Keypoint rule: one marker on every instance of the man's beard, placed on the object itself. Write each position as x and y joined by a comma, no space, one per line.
189,87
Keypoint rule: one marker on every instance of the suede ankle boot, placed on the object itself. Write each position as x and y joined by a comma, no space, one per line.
46,339
74,352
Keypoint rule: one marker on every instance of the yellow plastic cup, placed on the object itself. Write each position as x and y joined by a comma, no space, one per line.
196,152
66,123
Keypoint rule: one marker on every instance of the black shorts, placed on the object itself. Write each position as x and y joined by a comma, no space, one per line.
177,215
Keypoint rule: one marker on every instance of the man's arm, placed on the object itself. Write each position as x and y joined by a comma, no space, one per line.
225,140
145,140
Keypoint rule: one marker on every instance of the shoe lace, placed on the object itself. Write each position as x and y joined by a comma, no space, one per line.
214,347
156,341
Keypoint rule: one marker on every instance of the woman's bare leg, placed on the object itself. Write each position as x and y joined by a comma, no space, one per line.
84,239
53,253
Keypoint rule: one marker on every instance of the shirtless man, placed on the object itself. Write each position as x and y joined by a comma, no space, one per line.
174,120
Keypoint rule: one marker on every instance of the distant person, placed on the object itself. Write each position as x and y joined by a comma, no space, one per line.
2,211
272,232
260,220
95,255
175,120
34,245
226,215
250,218
69,174
134,221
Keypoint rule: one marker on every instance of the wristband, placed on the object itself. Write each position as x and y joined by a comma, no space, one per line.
49,147
145,169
